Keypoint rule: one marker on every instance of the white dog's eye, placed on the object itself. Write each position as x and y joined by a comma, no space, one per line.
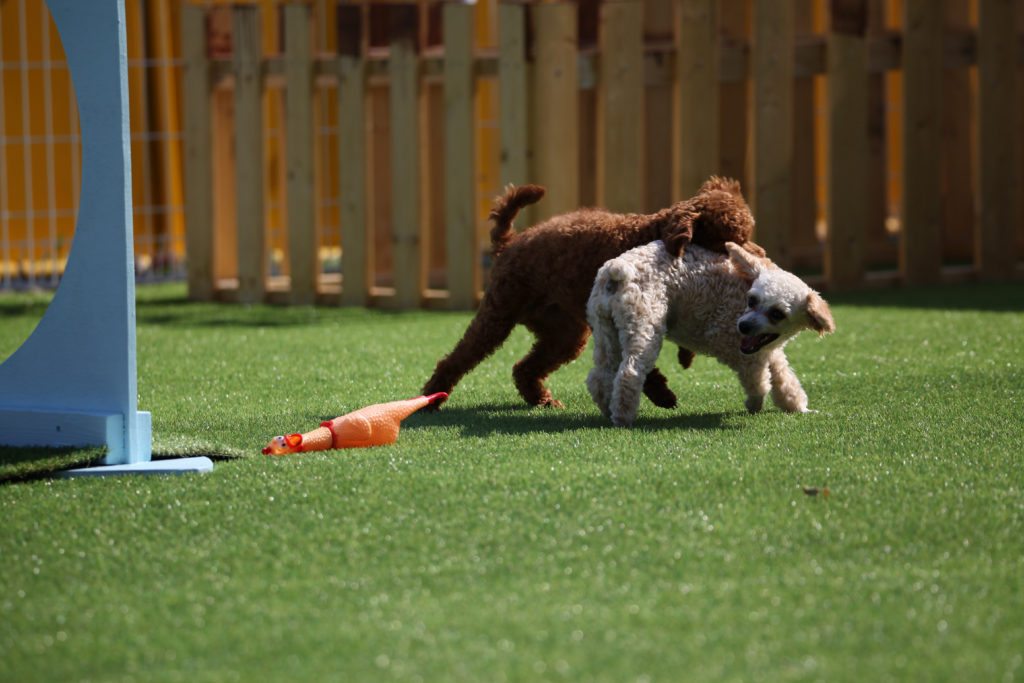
776,315
751,301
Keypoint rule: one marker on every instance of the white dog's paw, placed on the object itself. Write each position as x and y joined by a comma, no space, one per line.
754,404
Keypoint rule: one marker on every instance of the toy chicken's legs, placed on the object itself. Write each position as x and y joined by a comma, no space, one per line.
374,425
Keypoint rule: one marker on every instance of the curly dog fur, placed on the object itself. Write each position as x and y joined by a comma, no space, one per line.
542,278
739,308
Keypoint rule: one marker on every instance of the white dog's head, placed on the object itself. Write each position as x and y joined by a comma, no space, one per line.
779,304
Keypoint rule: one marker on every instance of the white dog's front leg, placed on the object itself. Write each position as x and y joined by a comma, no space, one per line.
756,382
787,393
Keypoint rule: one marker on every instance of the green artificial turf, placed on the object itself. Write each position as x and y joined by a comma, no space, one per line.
498,542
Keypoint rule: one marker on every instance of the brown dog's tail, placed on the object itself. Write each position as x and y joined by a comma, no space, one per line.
504,212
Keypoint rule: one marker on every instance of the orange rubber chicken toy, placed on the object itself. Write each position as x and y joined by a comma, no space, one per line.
374,425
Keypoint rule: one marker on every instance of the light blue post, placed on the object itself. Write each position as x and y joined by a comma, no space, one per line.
73,381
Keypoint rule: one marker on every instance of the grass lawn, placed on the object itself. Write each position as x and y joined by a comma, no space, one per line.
498,542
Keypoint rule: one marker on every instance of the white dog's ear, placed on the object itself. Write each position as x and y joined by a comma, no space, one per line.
749,266
820,315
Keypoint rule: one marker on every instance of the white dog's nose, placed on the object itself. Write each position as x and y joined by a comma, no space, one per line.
745,326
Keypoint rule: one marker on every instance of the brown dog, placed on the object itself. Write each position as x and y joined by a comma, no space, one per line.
542,278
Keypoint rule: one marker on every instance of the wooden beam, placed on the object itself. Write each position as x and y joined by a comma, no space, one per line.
249,153
772,138
302,245
847,144
998,141
197,87
921,241
696,106
459,176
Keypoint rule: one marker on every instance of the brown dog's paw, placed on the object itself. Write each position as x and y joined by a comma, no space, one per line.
550,402
431,389
656,389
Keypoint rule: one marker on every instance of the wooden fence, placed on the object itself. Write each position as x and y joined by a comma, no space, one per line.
882,148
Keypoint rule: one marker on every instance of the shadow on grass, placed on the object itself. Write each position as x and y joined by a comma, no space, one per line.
19,463
491,418
34,307
181,312
976,296
186,313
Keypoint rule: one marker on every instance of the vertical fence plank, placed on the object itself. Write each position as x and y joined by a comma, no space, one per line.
249,153
659,117
219,22
803,241
620,112
999,142
921,241
958,212
556,92
696,106
847,144
513,95
355,243
1020,148
734,99
459,190
198,160
772,112
298,72
881,247
405,148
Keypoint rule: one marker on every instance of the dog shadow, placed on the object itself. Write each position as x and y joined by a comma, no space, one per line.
511,419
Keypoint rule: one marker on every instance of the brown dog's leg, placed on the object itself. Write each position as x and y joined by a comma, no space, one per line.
656,389
561,338
656,385
487,331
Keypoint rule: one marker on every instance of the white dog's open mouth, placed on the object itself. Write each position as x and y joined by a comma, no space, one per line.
755,342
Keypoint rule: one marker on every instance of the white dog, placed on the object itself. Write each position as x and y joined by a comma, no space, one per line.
739,308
